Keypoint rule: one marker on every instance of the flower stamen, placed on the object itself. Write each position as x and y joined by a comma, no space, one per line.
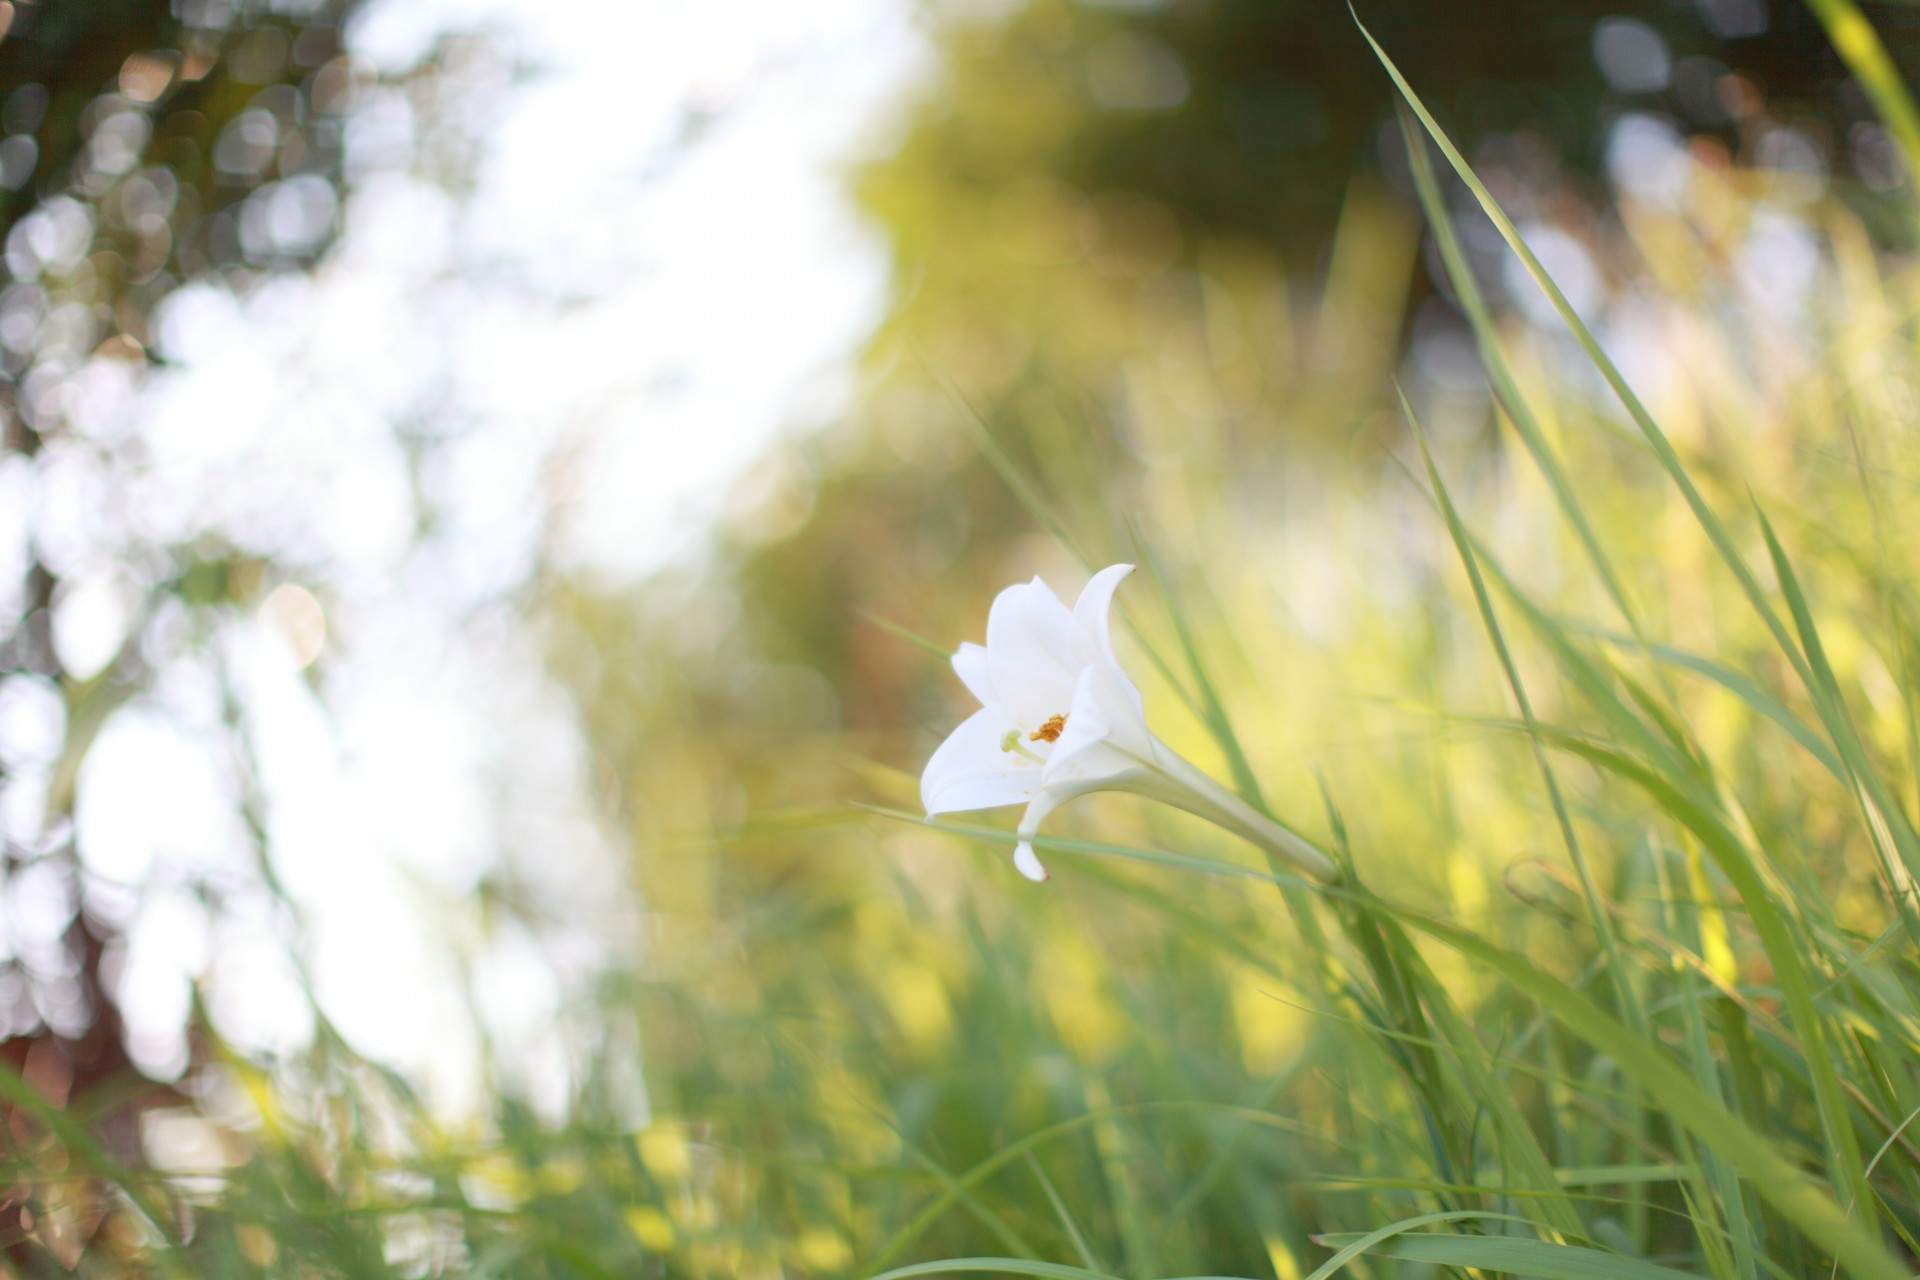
1050,731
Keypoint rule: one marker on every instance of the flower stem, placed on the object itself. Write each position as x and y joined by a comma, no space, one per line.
1181,784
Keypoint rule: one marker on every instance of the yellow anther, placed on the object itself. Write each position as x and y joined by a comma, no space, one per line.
1050,731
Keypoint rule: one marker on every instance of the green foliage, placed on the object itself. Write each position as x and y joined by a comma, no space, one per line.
1612,736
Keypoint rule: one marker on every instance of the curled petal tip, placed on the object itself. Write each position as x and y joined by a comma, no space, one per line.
1029,865
1096,601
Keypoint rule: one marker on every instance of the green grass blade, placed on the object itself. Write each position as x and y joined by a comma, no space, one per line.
1776,938
1776,1178
1780,944
1114,1145
962,1195
1007,1154
899,632
1725,1185
1663,449
1506,387
1074,1234
1358,1245
1527,1165
78,1139
1880,809
1003,1267
1746,690
1860,47
1628,1001
1212,710
1518,1257
1044,512
1582,672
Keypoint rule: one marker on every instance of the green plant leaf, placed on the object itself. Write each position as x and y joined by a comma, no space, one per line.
1516,1256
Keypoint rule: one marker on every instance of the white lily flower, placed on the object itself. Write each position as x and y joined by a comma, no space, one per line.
1059,718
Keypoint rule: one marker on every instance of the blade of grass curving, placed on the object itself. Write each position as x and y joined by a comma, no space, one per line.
1356,1246
1226,1152
1795,1195
1874,1163
1742,687
931,1213
1725,1185
962,1195
1012,1267
1213,712
1516,1256
1663,449
1858,964
1581,671
1080,1245
1115,1148
1661,715
1011,474
1891,1139
1860,47
1004,1267
1879,808
1597,1175
1627,999
1887,588
1506,388
1588,677
1776,937
899,632
1527,1164
1713,1246
81,1145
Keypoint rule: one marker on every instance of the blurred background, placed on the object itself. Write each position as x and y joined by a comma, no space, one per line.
468,467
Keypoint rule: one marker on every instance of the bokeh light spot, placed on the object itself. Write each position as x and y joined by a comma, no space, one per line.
1632,56
145,76
292,612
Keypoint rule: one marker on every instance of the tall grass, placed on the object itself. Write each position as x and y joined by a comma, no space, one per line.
1609,716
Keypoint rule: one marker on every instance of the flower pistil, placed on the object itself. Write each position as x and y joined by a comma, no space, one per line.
1010,741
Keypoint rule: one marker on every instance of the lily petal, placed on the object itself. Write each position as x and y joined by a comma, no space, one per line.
1095,604
1035,651
1023,855
1106,732
1029,865
970,771
970,664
